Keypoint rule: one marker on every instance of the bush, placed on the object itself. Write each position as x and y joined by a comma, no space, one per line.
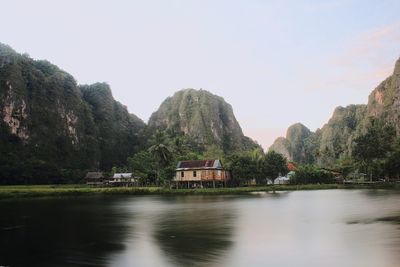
311,175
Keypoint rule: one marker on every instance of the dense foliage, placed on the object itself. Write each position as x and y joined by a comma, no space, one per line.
247,168
309,174
376,151
52,130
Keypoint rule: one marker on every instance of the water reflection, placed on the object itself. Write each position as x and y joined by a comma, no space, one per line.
64,232
197,235
305,228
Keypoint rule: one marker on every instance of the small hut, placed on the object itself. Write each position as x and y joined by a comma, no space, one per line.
282,180
94,178
123,179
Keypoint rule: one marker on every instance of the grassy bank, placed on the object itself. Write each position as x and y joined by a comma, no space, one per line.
82,190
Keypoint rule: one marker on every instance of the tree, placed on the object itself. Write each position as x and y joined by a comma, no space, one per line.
345,165
142,165
310,174
242,168
161,151
274,164
393,162
374,146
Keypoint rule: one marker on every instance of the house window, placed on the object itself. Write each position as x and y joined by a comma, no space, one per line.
182,174
194,173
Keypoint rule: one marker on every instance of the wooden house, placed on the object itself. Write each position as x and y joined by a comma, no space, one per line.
95,178
201,173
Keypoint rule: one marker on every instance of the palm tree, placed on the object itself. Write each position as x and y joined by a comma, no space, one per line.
161,151
257,156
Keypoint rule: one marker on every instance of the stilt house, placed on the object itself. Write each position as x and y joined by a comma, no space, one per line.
201,173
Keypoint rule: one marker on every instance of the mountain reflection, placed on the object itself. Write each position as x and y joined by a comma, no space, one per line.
60,232
197,235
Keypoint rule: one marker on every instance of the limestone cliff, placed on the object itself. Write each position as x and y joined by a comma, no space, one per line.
335,139
206,118
49,125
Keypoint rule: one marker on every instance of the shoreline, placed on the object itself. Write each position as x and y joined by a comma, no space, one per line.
34,191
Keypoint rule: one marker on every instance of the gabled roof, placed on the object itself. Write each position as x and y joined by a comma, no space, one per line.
94,175
123,175
199,164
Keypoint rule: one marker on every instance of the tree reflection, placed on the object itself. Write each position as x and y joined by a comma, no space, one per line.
59,232
196,235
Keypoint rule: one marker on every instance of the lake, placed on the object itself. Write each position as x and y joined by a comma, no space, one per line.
301,228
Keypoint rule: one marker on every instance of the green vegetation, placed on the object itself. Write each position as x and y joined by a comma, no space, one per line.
256,166
358,140
376,151
21,191
203,117
375,154
309,174
52,131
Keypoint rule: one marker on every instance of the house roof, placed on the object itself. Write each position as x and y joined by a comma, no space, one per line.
94,175
199,164
291,166
282,178
123,175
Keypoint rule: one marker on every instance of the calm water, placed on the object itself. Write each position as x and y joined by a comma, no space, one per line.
307,228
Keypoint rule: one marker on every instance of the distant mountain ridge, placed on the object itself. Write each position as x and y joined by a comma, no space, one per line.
335,139
51,127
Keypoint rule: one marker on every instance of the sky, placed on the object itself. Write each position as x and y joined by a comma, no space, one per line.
276,62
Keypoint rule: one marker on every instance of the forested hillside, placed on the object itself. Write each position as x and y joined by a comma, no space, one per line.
338,140
52,129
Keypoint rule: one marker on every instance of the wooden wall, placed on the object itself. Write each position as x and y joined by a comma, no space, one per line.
202,175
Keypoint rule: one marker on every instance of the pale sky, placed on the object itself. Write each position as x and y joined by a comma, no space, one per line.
276,62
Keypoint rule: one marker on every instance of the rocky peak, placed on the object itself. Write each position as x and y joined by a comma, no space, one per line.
201,115
397,68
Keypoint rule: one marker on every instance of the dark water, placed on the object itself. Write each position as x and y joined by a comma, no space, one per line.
307,228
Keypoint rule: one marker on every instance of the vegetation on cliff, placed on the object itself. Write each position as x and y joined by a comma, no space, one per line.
204,118
355,136
51,129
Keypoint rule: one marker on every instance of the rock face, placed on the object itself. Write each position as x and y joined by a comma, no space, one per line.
384,101
48,124
295,147
119,133
53,129
335,139
206,118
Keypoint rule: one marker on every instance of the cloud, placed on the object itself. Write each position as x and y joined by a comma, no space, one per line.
321,6
361,64
372,47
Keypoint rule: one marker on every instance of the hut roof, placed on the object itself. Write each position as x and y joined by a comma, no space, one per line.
123,175
94,175
199,164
